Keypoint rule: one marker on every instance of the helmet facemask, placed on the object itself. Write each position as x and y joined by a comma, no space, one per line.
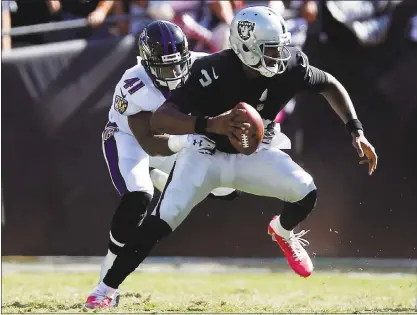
274,58
172,72
168,63
271,56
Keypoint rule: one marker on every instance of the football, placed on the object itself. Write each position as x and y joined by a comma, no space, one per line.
247,142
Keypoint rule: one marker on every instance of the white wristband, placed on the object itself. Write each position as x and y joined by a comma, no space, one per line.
176,143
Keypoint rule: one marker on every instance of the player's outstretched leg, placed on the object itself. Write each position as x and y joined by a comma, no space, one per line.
272,173
281,229
129,213
159,179
105,294
128,166
192,182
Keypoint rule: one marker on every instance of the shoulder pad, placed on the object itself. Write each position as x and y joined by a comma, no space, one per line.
298,61
136,92
198,54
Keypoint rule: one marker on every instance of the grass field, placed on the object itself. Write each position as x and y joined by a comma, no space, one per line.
226,293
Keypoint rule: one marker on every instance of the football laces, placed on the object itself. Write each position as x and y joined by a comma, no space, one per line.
245,141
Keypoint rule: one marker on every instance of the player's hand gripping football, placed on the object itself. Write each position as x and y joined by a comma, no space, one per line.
365,149
228,122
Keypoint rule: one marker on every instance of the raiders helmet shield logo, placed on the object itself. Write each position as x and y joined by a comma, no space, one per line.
120,104
245,29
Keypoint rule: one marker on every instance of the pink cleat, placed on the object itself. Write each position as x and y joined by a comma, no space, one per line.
293,248
99,299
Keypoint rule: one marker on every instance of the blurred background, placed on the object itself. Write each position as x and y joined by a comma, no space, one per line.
62,59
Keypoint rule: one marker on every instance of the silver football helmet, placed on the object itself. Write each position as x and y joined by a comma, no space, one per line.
259,36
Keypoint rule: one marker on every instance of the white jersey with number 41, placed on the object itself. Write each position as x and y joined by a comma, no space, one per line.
135,92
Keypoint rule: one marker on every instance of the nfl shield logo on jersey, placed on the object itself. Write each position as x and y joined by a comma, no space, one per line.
245,29
120,104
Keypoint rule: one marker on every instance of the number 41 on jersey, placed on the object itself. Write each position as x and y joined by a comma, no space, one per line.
133,85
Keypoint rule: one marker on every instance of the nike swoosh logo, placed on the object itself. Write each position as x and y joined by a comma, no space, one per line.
121,92
214,74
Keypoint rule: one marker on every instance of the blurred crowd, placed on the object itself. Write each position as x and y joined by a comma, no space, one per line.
347,24
204,21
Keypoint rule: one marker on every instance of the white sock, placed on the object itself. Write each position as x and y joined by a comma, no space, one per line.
106,290
280,230
106,264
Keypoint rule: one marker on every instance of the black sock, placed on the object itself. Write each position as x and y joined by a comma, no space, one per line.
135,251
129,213
294,213
126,263
114,248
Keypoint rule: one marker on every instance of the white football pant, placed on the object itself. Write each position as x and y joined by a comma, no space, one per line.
268,172
129,164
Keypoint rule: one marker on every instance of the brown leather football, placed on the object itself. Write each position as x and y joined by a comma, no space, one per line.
246,142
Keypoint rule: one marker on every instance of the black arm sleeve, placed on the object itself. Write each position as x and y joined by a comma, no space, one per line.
309,77
317,79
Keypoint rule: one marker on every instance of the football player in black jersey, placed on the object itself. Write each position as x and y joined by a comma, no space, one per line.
263,70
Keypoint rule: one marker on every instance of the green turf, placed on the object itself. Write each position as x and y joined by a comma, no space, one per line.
248,293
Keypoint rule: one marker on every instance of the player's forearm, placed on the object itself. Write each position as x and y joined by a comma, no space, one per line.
339,99
153,144
156,145
168,119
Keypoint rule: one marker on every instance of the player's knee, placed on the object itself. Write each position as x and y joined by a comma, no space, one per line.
138,180
173,212
309,201
152,230
172,215
301,187
306,205
132,207
129,213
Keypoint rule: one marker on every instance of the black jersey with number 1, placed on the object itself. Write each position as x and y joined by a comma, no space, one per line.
218,82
